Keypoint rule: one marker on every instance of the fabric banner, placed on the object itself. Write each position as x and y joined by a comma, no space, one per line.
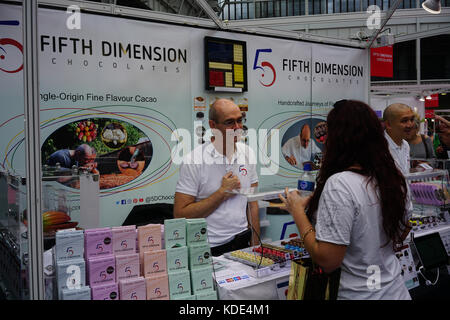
433,102
381,62
122,87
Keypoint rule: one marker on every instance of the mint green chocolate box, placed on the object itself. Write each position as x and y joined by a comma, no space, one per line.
175,232
196,231
83,293
69,244
208,295
179,284
199,256
202,280
177,259
74,269
192,297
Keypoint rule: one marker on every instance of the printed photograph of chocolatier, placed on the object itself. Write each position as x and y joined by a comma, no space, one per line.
303,143
116,150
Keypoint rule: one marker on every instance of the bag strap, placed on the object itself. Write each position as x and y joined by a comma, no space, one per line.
427,153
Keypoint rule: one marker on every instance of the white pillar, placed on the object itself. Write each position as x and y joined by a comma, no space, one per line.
33,151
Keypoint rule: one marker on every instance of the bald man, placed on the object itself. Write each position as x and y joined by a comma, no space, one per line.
300,149
83,156
399,122
210,172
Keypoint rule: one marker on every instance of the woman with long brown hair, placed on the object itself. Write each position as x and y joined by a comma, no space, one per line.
358,207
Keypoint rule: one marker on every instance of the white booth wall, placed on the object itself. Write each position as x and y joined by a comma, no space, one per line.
100,76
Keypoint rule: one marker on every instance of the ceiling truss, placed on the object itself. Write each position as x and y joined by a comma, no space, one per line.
405,25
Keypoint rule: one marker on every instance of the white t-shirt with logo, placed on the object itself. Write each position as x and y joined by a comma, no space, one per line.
349,214
201,175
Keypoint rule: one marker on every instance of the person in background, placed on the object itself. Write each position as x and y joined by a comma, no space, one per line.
300,149
443,133
399,122
444,126
129,157
358,207
210,172
420,145
82,157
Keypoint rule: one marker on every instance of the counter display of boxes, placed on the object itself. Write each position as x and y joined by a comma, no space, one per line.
134,263
430,193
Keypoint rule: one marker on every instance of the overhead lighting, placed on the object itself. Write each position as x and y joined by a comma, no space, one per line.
432,6
443,93
422,99
428,97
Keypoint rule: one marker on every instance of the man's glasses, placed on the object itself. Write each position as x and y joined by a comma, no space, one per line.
86,160
231,122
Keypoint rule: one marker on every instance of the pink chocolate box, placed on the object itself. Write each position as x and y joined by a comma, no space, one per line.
101,270
149,238
158,287
98,242
127,266
133,289
124,240
109,291
154,262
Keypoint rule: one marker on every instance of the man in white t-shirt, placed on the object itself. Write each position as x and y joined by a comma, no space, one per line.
210,172
300,149
399,121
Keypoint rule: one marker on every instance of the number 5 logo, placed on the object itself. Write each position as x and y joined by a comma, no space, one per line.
264,65
4,56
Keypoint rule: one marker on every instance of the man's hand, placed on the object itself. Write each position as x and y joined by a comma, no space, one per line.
291,160
444,123
91,167
230,182
186,206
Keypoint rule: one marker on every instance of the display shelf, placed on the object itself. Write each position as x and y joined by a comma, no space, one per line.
258,194
433,162
426,210
10,265
67,192
426,175
429,192
423,232
259,270
267,259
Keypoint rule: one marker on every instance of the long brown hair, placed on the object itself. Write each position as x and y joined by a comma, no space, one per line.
355,137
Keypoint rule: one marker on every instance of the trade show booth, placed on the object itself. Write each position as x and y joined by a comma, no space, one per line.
135,94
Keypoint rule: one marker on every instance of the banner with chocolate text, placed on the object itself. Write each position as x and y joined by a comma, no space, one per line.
117,89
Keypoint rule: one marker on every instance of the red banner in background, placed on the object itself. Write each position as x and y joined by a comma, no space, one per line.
433,102
429,114
382,62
